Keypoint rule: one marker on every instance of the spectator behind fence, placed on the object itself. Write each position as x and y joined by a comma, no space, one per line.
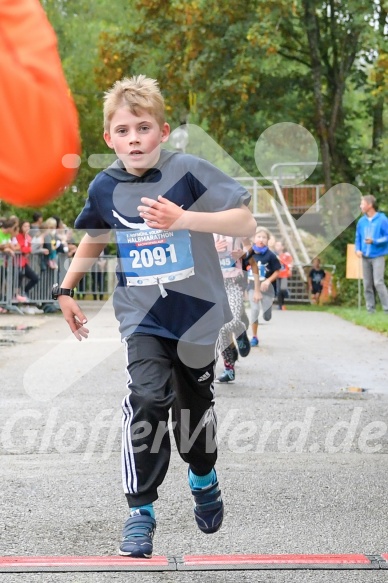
24,240
3,252
36,223
8,230
37,243
372,246
53,243
7,249
98,276
69,242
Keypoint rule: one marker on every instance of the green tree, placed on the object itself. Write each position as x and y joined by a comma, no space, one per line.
238,68
210,71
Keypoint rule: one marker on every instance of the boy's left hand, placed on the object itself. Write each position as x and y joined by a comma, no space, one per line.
161,213
74,316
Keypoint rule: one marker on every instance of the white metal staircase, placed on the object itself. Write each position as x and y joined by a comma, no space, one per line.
271,210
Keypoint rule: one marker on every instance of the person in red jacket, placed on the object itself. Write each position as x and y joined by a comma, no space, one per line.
285,273
24,240
39,144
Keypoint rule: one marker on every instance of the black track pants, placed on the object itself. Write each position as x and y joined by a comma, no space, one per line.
157,382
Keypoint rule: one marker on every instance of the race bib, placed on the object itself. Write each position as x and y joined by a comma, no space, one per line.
227,263
154,257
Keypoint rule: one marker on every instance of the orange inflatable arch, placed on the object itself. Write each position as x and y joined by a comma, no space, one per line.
38,119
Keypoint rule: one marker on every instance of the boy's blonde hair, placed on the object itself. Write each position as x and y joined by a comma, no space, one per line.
50,223
263,230
138,93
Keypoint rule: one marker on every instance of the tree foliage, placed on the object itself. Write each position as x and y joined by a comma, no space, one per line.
239,67
236,69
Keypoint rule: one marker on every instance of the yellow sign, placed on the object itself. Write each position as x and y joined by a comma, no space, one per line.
353,263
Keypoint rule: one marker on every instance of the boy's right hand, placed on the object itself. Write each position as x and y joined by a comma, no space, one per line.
74,316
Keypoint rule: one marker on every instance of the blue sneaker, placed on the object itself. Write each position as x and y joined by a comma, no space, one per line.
243,344
227,376
254,341
209,508
138,533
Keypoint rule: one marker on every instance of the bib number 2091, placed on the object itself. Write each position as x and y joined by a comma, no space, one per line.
155,256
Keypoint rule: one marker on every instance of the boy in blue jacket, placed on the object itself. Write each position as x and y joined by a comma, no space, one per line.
372,246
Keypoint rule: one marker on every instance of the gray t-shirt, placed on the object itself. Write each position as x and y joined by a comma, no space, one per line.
195,308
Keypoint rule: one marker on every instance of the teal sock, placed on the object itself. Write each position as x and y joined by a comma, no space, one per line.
198,482
148,507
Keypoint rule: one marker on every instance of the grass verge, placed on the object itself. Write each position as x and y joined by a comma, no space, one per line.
377,322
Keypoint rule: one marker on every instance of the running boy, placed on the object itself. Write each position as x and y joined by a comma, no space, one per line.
268,270
170,298
316,277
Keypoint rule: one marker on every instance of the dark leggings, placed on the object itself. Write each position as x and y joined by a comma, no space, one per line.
30,274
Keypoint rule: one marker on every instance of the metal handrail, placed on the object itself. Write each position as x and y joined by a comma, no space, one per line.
288,240
291,222
256,187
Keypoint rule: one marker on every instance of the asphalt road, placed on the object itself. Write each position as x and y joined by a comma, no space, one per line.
302,460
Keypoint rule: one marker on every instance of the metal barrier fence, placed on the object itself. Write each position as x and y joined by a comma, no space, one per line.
98,283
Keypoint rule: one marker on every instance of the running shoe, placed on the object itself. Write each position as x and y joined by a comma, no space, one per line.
227,376
254,341
268,314
243,344
138,534
209,508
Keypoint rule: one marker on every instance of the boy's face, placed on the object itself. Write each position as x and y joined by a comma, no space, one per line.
136,139
261,239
